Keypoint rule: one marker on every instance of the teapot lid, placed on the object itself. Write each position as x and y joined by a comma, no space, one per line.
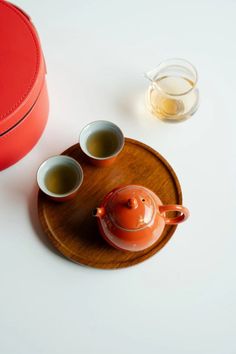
131,207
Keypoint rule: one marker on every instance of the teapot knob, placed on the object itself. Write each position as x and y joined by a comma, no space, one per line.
132,203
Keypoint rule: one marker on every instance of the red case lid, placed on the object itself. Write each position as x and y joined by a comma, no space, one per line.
22,67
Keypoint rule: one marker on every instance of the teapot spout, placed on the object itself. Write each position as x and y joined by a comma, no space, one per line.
99,212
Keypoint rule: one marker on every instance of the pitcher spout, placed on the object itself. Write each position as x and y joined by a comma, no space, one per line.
151,75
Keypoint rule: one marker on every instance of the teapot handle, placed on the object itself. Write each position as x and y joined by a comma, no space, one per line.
184,213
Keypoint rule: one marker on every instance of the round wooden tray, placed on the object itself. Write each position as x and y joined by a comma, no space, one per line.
74,231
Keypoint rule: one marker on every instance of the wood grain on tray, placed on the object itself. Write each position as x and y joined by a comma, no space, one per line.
73,230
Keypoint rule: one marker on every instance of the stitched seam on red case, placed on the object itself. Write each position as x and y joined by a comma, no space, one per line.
37,64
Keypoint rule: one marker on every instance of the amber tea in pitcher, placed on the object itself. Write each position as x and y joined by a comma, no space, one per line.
172,94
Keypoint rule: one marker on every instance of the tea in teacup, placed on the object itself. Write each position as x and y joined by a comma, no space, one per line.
102,143
61,179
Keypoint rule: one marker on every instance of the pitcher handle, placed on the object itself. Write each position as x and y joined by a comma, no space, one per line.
173,207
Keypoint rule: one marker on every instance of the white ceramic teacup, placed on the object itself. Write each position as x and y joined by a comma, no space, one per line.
60,163
96,127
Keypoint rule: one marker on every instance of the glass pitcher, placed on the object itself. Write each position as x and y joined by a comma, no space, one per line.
172,94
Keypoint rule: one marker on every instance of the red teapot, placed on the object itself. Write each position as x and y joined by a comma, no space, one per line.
132,217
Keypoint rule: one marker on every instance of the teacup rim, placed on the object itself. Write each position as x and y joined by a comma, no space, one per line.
86,152
57,195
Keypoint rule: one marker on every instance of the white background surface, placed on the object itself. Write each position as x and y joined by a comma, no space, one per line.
182,300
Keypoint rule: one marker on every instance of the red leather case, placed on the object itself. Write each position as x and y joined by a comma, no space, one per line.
23,92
